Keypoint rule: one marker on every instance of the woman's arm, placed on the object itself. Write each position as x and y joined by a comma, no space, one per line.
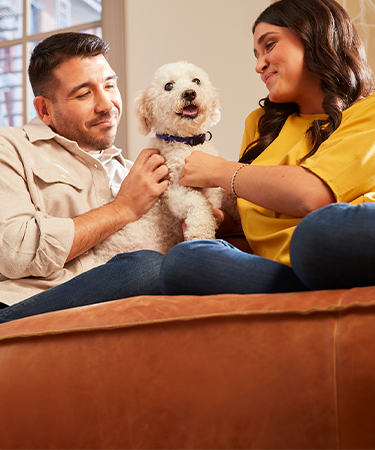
290,190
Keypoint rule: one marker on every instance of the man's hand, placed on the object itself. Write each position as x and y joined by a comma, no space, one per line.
143,185
138,192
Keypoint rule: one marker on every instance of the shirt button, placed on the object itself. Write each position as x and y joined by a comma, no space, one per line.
96,166
104,202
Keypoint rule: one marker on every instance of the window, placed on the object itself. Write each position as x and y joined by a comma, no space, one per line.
23,23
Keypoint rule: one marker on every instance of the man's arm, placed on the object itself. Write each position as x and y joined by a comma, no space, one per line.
139,191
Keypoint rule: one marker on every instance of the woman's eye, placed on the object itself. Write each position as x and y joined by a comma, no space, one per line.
168,87
269,46
197,81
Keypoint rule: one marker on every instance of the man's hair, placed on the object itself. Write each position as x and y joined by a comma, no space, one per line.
334,54
56,49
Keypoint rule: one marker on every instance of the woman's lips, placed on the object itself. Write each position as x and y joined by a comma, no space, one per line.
268,78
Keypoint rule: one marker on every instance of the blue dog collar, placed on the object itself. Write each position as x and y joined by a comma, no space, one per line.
193,140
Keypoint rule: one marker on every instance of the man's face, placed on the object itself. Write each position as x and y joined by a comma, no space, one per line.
86,107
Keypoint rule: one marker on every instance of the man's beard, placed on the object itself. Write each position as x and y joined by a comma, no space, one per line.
69,129
87,142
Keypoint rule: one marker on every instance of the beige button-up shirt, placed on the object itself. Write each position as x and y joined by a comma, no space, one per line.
45,181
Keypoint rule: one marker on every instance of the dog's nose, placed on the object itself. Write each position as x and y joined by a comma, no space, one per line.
189,95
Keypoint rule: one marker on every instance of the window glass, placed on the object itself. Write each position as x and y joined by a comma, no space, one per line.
11,109
17,43
97,31
10,19
31,113
49,15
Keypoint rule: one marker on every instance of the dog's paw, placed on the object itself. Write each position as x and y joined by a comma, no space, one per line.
196,234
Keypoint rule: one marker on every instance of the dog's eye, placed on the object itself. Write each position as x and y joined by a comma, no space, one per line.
168,87
197,81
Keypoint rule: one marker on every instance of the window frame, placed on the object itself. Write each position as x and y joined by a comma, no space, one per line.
113,31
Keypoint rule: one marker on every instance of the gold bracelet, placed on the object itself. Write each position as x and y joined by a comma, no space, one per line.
234,176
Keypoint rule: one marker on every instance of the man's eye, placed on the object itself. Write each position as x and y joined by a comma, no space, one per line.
197,81
83,95
168,87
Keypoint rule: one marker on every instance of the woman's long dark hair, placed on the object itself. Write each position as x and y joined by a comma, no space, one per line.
334,53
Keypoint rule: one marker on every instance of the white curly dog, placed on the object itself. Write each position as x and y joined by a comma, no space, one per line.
179,106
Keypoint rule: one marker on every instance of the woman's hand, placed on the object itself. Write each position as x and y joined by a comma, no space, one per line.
225,223
202,170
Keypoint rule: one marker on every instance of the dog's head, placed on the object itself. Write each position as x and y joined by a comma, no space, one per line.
180,101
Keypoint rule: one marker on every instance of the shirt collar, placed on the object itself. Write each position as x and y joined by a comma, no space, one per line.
37,130
109,153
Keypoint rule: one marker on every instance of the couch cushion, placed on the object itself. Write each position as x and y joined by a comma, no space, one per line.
228,371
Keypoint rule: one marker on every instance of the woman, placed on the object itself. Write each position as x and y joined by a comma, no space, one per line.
309,145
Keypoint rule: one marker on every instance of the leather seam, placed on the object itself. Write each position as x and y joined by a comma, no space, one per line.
333,309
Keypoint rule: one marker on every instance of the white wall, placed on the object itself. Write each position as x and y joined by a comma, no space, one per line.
213,34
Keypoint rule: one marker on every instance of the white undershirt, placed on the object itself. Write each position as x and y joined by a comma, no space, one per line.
115,170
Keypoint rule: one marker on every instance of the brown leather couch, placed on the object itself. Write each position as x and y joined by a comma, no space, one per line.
223,372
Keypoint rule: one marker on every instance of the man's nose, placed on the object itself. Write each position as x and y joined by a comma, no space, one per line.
103,101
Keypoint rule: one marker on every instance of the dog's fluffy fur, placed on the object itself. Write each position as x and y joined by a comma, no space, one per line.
179,101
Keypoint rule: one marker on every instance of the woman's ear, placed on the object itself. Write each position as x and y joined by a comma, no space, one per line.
42,106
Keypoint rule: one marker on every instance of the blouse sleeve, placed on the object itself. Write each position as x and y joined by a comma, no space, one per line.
346,160
251,129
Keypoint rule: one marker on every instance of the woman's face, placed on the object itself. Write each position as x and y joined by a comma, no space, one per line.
282,67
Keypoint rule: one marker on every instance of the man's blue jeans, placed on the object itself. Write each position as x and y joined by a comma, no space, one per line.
125,275
334,247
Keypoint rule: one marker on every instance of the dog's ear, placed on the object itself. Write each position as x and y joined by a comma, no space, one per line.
143,113
217,114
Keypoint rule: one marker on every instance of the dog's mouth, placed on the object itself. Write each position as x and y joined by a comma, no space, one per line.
189,112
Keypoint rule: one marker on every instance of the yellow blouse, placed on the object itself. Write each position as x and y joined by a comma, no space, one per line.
345,162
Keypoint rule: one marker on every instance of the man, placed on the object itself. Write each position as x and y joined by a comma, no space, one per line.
64,187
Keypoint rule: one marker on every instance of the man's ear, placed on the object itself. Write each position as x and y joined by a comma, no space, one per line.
42,106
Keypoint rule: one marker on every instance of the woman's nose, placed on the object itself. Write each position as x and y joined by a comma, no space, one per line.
261,65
